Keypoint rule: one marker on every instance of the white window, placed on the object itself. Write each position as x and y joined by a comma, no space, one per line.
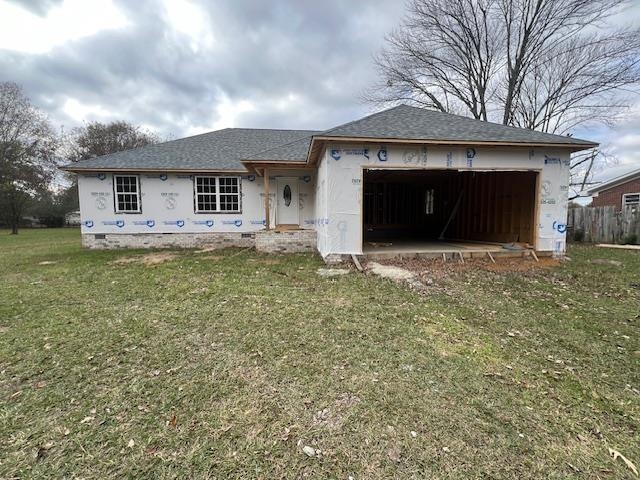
428,201
217,194
629,199
127,190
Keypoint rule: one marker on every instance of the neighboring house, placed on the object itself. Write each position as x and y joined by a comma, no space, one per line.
404,174
620,192
72,219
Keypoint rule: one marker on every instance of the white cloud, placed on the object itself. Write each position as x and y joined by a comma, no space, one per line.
82,112
630,140
189,19
229,110
24,31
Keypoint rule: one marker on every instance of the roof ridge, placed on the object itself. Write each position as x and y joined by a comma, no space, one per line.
146,147
361,119
447,114
152,145
487,121
267,129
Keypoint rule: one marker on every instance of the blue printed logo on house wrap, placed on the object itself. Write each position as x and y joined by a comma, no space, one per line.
117,223
177,223
559,227
147,223
99,176
237,223
208,223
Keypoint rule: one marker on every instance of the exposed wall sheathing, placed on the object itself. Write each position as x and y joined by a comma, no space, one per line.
167,203
345,164
320,220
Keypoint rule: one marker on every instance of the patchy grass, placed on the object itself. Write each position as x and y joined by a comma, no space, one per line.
227,364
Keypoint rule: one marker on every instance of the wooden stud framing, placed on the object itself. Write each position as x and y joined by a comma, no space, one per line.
267,199
497,205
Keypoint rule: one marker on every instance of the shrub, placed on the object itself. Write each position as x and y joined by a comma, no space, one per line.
52,220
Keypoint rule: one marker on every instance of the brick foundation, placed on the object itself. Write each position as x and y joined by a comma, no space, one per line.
291,241
167,240
288,241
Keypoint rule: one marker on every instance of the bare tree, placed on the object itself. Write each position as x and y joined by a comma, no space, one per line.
444,57
27,149
546,65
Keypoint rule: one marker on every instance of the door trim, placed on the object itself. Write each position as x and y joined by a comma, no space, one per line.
280,182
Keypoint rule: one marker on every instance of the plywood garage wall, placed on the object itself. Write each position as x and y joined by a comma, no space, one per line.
493,206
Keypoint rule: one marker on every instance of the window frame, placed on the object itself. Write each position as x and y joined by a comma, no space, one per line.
624,200
116,193
217,194
429,201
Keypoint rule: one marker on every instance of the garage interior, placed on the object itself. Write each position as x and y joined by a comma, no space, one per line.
448,211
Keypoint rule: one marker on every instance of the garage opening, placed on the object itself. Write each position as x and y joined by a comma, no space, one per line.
448,206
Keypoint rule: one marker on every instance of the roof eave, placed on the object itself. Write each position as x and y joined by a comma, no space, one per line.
614,182
254,165
72,169
311,158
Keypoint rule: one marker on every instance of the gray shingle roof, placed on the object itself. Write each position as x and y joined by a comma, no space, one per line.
219,150
226,149
295,151
405,122
627,177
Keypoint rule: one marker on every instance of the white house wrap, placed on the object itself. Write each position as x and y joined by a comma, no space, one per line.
404,173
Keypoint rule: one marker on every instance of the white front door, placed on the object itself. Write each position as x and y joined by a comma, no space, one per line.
288,210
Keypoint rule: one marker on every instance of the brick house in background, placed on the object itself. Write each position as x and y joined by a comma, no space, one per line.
623,191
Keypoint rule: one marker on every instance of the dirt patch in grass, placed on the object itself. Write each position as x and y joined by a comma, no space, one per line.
435,269
206,250
125,260
213,258
154,258
338,301
264,261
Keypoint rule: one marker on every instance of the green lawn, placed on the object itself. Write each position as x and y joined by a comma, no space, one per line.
227,364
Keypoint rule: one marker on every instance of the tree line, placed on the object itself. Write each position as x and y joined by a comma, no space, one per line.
31,150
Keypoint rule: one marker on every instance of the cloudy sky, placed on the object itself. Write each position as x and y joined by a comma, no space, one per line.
182,67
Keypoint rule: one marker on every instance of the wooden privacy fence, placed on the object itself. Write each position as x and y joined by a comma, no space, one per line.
604,225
